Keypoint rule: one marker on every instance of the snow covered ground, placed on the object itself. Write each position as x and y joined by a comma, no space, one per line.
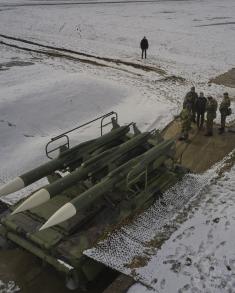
9,287
43,95
193,38
199,256
53,94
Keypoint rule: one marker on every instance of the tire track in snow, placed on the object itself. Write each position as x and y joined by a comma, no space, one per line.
93,59
78,3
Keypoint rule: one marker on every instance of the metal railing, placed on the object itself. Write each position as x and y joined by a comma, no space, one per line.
64,135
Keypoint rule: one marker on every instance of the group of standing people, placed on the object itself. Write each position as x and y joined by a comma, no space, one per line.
194,109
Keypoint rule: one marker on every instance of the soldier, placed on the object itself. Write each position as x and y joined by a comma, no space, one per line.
224,111
211,108
144,47
191,98
185,117
200,107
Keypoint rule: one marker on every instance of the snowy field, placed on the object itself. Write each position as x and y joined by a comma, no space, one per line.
44,94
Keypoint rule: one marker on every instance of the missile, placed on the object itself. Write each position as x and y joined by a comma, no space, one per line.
12,186
64,213
91,196
93,165
150,156
69,210
74,155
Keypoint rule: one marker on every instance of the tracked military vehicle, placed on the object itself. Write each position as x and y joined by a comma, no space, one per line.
93,188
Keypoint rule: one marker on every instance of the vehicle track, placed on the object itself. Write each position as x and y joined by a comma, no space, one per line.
79,56
77,3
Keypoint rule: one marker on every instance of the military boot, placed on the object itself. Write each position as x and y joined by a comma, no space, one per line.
221,130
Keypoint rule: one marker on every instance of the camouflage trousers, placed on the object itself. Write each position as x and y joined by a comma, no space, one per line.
185,127
209,125
193,115
223,121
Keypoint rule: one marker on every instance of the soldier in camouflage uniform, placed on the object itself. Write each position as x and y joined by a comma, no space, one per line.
211,108
224,111
191,98
186,118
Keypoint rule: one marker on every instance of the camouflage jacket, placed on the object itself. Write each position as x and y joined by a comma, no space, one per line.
185,117
211,107
225,104
190,98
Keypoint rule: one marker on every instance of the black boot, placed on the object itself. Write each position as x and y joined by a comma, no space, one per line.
221,130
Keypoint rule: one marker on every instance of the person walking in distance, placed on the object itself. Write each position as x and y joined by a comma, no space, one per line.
200,107
224,111
144,47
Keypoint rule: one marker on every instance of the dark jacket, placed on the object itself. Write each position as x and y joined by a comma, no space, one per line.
144,44
190,98
200,105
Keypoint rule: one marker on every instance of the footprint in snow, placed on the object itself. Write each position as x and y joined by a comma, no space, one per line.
227,225
188,232
163,283
179,237
179,250
224,210
28,135
201,247
210,237
186,273
170,261
195,290
154,281
176,267
11,124
170,256
232,264
220,244
188,261
184,289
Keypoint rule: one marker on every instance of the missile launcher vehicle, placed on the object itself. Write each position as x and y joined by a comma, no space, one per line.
93,188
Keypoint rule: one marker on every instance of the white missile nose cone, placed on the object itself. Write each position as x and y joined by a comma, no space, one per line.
33,201
12,186
64,213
